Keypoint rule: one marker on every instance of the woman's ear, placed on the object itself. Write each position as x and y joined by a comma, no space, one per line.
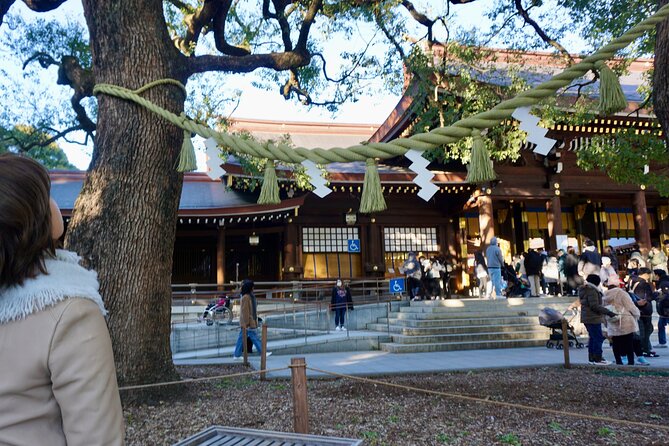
57,227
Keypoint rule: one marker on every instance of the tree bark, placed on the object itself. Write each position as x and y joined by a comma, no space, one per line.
124,221
661,74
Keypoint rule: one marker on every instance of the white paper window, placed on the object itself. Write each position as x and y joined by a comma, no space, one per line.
328,239
410,239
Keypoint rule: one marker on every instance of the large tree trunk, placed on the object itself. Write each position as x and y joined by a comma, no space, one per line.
661,74
124,220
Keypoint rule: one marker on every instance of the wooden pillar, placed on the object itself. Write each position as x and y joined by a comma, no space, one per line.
486,219
291,265
374,250
641,232
450,246
220,256
298,370
554,217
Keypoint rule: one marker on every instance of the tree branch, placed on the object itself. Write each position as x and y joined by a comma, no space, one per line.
182,5
4,7
246,64
420,18
280,15
309,17
194,24
37,140
43,5
219,32
524,14
44,59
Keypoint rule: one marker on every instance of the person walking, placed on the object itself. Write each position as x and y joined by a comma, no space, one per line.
341,301
610,252
592,316
574,279
481,271
248,318
412,269
58,381
607,271
621,329
495,264
657,260
590,261
643,291
533,265
662,307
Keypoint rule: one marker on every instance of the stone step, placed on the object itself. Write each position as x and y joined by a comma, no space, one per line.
461,316
511,302
451,346
490,307
431,331
447,322
541,333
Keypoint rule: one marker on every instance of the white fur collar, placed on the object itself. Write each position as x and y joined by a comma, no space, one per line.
66,278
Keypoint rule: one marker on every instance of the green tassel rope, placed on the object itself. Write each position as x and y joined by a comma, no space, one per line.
372,195
480,164
187,161
611,96
269,192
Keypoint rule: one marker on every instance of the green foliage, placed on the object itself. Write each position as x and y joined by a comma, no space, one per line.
623,157
511,439
558,428
26,140
605,432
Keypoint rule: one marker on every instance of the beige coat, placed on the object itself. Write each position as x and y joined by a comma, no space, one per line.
57,376
246,319
629,313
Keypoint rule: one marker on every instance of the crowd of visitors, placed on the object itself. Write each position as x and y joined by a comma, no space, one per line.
620,299
427,278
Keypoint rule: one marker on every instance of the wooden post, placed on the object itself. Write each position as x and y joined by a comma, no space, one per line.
298,370
245,346
641,232
263,356
486,220
220,257
565,343
554,217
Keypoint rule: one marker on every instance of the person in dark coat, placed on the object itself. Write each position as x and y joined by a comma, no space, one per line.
533,265
340,302
662,307
592,316
574,280
643,291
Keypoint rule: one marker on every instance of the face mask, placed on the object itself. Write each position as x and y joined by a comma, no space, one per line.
339,283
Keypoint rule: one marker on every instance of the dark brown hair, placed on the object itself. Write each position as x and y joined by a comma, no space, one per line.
25,219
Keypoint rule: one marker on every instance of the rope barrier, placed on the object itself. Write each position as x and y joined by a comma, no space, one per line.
194,380
422,141
498,403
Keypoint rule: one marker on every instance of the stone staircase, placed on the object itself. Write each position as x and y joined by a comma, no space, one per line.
467,324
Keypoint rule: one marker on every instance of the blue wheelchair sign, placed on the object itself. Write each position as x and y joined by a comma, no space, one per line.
396,285
353,245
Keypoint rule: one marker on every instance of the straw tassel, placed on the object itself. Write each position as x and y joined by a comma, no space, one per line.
269,192
187,161
611,96
480,164
372,195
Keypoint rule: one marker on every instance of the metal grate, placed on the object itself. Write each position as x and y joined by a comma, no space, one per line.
232,436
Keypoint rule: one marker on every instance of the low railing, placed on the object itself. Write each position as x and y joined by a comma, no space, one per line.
287,317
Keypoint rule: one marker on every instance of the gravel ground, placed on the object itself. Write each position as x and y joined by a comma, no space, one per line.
384,415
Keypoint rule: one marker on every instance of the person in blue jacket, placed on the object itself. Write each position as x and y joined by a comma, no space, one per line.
340,302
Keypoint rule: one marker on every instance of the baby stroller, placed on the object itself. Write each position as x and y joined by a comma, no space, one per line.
515,286
552,319
218,311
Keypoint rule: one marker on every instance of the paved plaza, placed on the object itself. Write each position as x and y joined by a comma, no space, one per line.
377,363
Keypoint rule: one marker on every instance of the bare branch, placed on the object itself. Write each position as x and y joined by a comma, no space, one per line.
4,7
280,15
194,24
641,106
309,17
36,138
43,5
524,14
420,18
219,32
45,60
246,64
182,5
